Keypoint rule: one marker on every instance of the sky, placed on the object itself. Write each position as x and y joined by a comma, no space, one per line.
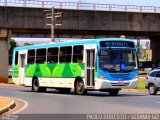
21,41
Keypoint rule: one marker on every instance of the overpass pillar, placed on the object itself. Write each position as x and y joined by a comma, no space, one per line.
4,46
155,47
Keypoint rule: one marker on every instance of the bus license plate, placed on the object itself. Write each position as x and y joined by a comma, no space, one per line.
121,82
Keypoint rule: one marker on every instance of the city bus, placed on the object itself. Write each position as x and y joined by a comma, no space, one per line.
105,64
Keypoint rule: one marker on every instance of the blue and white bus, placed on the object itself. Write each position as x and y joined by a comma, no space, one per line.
106,64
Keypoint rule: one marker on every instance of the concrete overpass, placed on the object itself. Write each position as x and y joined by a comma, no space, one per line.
31,22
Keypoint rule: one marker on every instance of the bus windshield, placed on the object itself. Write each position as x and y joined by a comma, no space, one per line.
117,59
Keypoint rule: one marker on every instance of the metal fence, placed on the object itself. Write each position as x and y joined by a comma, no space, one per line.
80,5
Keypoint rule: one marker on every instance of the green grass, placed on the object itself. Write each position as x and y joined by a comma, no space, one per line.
142,72
141,85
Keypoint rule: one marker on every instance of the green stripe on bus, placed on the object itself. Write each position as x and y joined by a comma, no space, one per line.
16,71
55,70
58,70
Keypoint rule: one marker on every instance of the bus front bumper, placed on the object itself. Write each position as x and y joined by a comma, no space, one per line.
107,84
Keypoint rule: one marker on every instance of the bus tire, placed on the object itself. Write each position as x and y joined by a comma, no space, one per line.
113,92
36,87
152,89
79,87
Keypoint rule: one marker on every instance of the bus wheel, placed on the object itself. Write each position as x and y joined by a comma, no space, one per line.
114,92
152,89
79,87
35,86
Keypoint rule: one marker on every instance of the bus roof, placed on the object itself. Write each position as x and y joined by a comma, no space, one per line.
69,43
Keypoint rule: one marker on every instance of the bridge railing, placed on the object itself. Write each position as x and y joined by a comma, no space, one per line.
79,5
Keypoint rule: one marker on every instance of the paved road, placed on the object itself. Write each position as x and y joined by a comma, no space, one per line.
94,102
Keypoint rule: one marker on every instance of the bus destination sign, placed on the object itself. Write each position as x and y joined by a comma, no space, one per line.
116,44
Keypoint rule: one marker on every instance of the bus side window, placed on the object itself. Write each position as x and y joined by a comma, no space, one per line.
31,57
52,55
41,56
65,54
16,58
78,54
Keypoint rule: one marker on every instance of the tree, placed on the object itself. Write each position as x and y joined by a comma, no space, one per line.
27,44
13,44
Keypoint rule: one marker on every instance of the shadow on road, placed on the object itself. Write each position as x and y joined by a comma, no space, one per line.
90,93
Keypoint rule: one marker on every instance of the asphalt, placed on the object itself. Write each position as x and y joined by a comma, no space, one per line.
52,102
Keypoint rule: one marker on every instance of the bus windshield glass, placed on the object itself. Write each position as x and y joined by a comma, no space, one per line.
117,59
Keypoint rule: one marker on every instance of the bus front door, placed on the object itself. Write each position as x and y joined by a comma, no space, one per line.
90,67
22,68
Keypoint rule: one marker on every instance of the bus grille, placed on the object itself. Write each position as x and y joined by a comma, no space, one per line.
120,76
117,84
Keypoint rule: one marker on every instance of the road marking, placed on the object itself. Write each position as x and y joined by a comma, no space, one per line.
25,105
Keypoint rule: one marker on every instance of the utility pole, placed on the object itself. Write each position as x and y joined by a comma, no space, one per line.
52,25
53,16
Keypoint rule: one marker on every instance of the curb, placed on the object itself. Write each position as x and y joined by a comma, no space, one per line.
7,107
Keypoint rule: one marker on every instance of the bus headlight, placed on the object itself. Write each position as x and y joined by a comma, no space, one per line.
102,76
